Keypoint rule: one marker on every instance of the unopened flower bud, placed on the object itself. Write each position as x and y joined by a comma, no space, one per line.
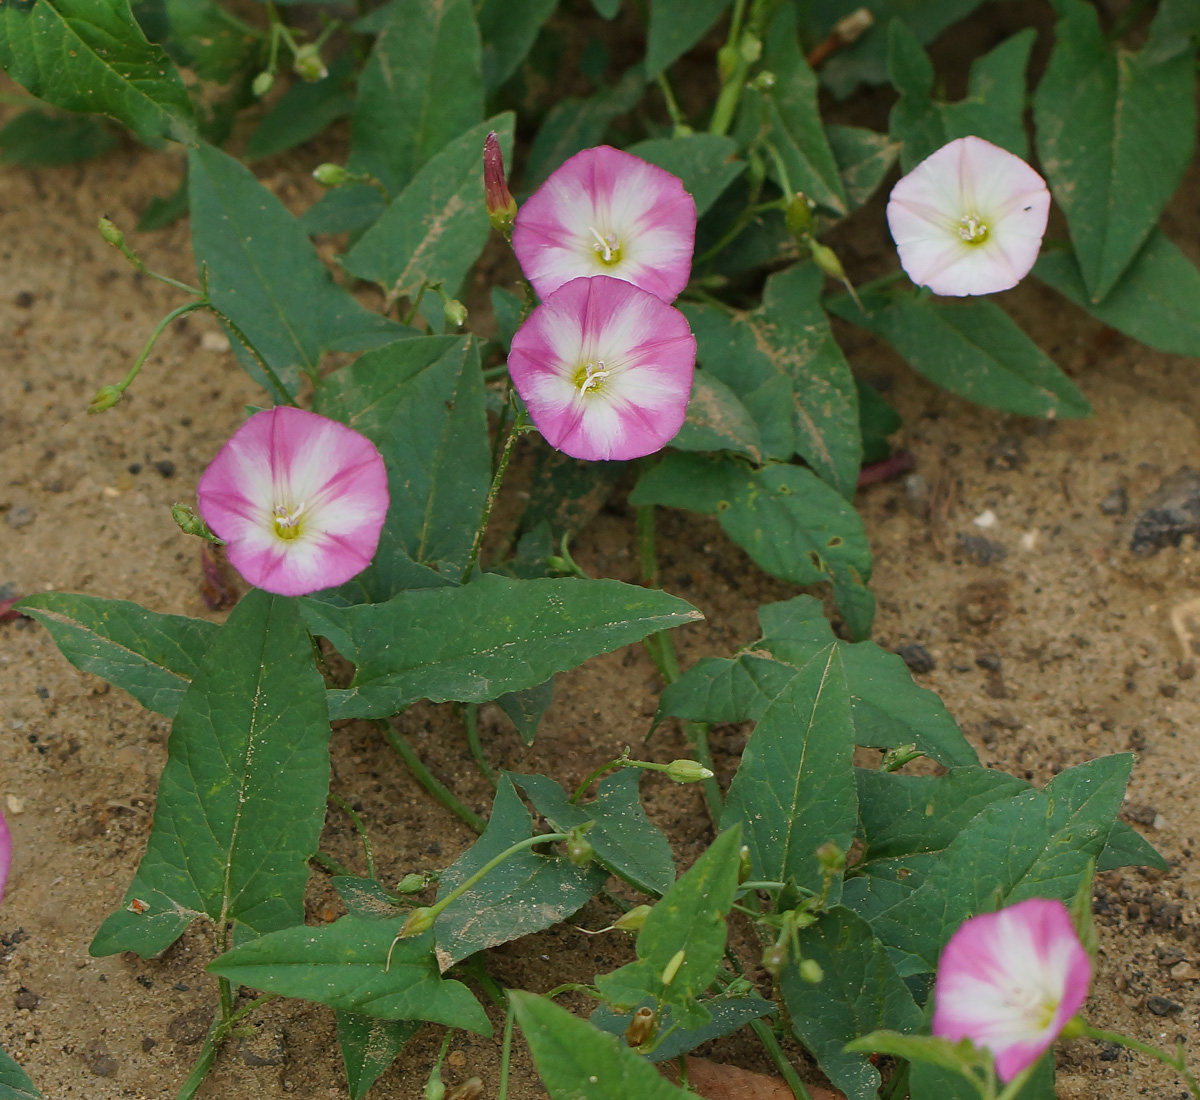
775,959
455,313
419,921
802,918
763,82
739,987
831,858
106,397
688,771
434,1089
642,1027
330,175
411,883
745,864
852,27
672,967
470,1089
190,523
634,919
308,65
799,216
579,849
501,206
810,971
263,83
826,259
110,232
750,48
727,58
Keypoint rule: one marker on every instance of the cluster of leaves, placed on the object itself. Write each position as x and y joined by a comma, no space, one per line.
863,873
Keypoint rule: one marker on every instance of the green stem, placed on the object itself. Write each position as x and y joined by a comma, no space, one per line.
1013,1088
767,1037
581,790
136,261
428,780
217,1031
529,842
263,365
493,492
160,328
470,714
731,85
678,119
505,1054
331,865
573,987
1177,1062
359,827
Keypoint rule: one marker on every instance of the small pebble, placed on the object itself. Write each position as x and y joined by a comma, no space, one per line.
20,517
23,299
916,656
985,519
989,661
135,467
1182,971
165,467
214,341
980,550
27,999
1116,503
1029,540
1160,1006
1169,513
148,1044
15,805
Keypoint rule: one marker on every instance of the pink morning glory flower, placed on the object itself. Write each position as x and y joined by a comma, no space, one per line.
5,853
605,212
1010,981
605,369
969,219
300,500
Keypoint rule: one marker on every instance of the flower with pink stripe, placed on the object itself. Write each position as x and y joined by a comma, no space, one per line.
1010,981
299,498
605,369
969,219
605,212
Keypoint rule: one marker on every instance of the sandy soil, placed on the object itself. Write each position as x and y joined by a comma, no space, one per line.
1061,651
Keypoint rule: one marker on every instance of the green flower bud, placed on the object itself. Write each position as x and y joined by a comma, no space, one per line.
831,858
110,232
455,313
688,771
750,48
672,968
634,919
826,259
434,1088
727,59
579,849
106,397
764,81
263,83
190,523
411,883
775,959
799,216
308,66
810,971
802,918
642,1027
745,865
330,175
739,987
419,921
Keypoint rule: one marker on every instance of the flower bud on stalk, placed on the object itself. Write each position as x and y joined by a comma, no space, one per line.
775,959
419,921
745,865
831,859
308,65
811,972
190,523
434,1088
106,397
501,206
330,175
411,883
579,849
688,771
111,234
455,312
798,217
642,1027
634,919
263,83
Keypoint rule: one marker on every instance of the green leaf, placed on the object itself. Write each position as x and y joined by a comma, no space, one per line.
14,1081
921,1049
1115,133
202,36
927,1079
574,124
1156,301
421,402
683,938
366,898
164,210
264,274
970,347
303,112
994,107
860,992
342,965
579,1062
675,27
566,493
704,162
113,70
863,159
607,9
1034,844
789,521
877,421
421,88
1127,847
241,800
508,31
717,420
508,635
151,656
38,137
526,708
437,226
369,1045
524,894
623,837
794,789
728,1014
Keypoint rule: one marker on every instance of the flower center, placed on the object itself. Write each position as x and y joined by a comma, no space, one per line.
591,376
607,246
972,229
286,521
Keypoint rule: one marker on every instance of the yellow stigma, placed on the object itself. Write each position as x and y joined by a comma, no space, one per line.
607,246
287,521
590,376
972,230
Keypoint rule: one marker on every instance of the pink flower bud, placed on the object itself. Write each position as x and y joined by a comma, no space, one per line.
501,206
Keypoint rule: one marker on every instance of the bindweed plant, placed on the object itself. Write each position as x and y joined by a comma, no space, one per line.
673,312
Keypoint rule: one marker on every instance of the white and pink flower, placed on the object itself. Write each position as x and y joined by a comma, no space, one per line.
969,219
605,369
605,212
300,500
1010,981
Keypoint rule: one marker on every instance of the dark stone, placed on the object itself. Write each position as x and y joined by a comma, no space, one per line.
1110,1052
148,1044
1116,503
98,1059
23,299
190,1027
135,467
1169,513
1160,1006
266,1047
980,550
20,517
1143,815
989,661
27,999
165,467
916,656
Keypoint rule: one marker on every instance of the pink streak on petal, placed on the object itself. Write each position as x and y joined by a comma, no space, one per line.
295,458
645,343
5,853
999,972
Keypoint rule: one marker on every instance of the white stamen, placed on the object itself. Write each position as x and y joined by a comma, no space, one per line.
972,229
287,520
595,374
607,245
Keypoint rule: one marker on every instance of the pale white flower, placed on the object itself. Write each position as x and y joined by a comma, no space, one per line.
969,219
